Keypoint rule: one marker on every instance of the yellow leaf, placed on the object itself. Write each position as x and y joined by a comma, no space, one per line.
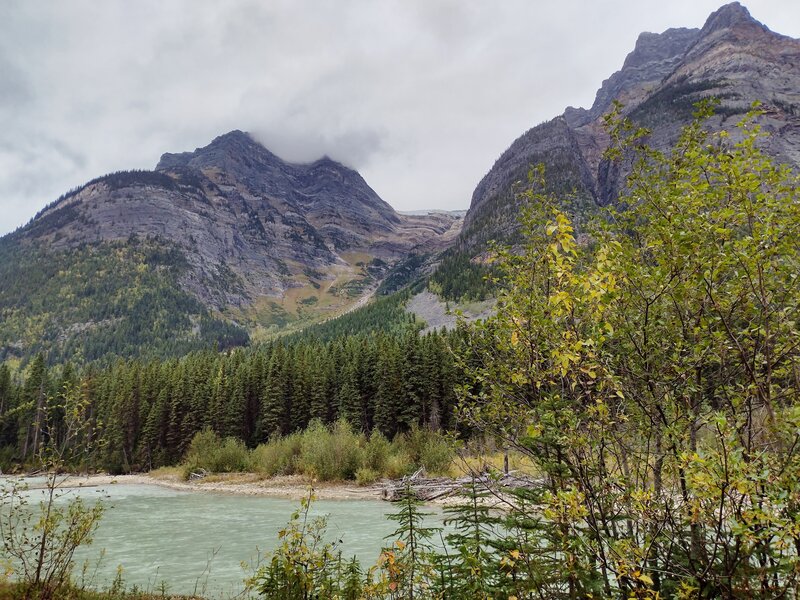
645,579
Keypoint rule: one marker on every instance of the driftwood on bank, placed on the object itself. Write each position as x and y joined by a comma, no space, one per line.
197,475
433,488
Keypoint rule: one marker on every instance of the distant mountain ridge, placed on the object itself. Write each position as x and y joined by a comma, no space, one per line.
236,205
261,242
733,57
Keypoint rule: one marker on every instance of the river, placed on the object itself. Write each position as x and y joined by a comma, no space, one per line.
196,542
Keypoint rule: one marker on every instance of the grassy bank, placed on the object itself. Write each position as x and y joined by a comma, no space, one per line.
18,591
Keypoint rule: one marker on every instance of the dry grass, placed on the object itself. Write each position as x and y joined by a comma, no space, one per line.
167,474
14,591
478,463
234,478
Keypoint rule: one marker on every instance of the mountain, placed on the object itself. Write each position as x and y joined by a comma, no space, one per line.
212,245
229,242
732,57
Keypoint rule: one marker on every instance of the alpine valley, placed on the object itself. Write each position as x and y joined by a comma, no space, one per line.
617,415
230,244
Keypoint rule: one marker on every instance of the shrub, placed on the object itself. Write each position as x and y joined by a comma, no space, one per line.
366,476
279,456
201,449
304,565
232,456
207,451
328,454
331,454
399,465
426,448
377,452
436,455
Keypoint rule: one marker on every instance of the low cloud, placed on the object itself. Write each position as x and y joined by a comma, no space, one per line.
301,144
420,96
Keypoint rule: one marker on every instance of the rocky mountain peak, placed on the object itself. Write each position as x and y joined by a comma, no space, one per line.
728,17
224,151
234,140
733,57
653,58
241,230
656,47
327,163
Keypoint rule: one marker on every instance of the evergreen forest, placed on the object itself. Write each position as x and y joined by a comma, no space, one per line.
147,412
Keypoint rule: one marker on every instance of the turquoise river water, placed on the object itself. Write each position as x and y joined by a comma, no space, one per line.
196,542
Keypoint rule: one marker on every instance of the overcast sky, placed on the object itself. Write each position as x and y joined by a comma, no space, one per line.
421,96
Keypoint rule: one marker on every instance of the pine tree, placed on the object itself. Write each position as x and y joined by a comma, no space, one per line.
301,388
255,383
349,399
366,376
390,391
318,389
274,416
8,403
472,571
32,406
413,408
412,552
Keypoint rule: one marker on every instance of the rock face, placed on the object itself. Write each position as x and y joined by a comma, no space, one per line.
732,57
256,231
654,58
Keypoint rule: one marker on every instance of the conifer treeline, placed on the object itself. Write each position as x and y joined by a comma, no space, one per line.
144,414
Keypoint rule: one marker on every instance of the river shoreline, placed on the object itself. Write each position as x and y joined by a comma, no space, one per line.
239,484
287,487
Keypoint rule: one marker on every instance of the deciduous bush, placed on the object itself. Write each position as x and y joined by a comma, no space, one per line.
426,448
366,476
377,452
335,453
652,377
279,456
331,454
208,452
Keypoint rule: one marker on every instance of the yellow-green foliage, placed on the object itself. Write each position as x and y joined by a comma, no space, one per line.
331,454
399,465
427,449
366,476
335,453
278,456
377,452
651,376
209,452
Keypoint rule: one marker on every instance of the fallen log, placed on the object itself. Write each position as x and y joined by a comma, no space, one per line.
433,488
199,474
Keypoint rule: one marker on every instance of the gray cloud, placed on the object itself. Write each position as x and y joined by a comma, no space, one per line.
420,95
14,89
